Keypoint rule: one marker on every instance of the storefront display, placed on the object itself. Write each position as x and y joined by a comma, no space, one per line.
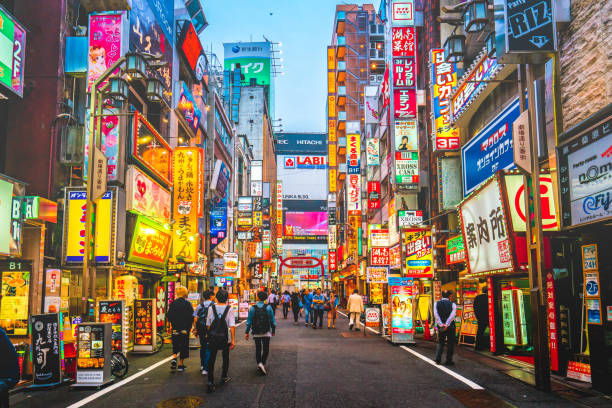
400,295
513,317
115,312
145,329
47,348
14,301
93,354
469,324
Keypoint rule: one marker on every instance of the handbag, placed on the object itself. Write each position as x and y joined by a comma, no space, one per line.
327,307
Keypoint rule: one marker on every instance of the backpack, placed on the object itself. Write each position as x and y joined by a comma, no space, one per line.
201,322
261,320
217,333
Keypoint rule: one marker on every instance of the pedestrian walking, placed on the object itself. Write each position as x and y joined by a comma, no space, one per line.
221,324
286,303
273,301
307,303
318,304
9,368
355,309
262,324
201,315
180,316
444,312
296,306
332,310
481,310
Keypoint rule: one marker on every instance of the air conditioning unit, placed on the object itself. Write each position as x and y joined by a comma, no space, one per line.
72,139
373,78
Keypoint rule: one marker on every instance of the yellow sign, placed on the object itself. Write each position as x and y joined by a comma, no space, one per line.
418,253
257,218
331,106
332,180
331,82
187,205
75,227
332,155
126,287
331,57
245,221
331,130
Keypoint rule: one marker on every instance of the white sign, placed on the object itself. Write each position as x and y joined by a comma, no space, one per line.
377,274
372,316
379,238
403,13
230,262
485,230
515,191
256,188
522,142
408,218
353,192
245,204
301,178
373,152
331,237
90,377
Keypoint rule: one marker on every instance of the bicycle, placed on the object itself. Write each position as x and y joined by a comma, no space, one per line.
159,343
119,364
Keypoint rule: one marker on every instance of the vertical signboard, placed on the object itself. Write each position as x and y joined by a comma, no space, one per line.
418,252
372,152
353,192
373,195
187,206
443,77
400,298
12,53
530,26
353,154
107,43
47,348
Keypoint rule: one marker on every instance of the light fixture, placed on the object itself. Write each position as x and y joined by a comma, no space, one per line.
136,66
155,90
490,44
454,47
475,16
118,89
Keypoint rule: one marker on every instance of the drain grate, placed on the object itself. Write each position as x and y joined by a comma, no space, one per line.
181,402
477,399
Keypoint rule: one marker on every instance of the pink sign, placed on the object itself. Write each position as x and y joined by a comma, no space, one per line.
404,72
105,44
404,42
405,103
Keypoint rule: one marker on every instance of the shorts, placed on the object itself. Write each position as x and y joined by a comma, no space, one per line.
180,344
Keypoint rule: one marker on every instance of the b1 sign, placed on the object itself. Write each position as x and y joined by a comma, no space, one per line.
530,26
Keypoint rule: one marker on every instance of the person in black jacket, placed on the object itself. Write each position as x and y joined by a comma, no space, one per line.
295,307
9,368
180,316
481,310
444,312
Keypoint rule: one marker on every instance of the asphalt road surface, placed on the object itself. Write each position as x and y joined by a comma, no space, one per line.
308,368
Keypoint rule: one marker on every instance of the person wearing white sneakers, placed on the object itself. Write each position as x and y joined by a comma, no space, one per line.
262,324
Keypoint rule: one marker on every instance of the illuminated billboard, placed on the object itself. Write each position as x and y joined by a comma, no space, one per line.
304,176
305,223
253,57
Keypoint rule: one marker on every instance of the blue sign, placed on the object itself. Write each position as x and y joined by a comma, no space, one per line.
164,12
218,221
187,106
301,143
398,281
221,281
490,150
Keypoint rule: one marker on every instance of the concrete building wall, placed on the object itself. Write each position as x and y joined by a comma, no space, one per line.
250,122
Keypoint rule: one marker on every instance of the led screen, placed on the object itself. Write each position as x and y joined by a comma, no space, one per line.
301,223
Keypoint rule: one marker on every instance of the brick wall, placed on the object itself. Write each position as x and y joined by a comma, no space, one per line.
586,60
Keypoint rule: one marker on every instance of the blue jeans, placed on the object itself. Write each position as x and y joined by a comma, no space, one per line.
306,314
204,352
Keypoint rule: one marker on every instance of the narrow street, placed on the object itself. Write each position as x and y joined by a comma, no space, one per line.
311,368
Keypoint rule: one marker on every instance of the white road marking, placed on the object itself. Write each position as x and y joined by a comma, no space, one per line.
121,383
459,377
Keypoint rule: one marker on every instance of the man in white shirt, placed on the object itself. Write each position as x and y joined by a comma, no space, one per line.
272,301
444,312
225,313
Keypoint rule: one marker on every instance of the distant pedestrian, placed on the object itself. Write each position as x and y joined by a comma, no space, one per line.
201,315
296,306
262,324
180,316
331,307
355,308
9,368
286,303
318,304
307,301
221,324
272,301
444,312
481,310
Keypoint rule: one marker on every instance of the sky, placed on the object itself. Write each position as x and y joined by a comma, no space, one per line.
304,27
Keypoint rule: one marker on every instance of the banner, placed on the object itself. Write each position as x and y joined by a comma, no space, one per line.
353,189
418,253
372,152
353,153
373,194
106,44
443,77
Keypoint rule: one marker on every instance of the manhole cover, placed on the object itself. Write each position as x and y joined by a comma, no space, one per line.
477,398
181,402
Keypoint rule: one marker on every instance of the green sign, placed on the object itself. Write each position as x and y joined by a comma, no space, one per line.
150,243
12,53
251,67
455,250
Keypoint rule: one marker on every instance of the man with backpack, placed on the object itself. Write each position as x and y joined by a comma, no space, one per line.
201,315
221,325
262,324
180,316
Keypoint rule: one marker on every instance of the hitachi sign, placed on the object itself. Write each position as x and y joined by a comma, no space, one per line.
310,142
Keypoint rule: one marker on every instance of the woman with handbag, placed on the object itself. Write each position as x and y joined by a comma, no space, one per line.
331,307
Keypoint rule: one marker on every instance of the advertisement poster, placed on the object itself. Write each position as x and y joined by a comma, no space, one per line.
145,196
113,311
14,300
589,257
455,250
372,317
377,274
107,43
443,77
305,224
90,347
144,325
386,317
402,329
407,167
593,311
110,141
418,253
372,152
376,293
485,231
47,348
253,57
303,176
188,204
406,135
469,324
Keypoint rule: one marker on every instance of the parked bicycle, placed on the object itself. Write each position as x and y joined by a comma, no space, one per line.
119,364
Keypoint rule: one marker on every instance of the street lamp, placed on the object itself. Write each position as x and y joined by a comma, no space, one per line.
454,47
155,90
118,89
475,16
136,66
490,45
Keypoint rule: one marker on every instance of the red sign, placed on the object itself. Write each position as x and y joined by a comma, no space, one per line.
552,322
386,94
332,262
373,194
404,41
404,72
193,52
379,256
405,103
491,314
395,256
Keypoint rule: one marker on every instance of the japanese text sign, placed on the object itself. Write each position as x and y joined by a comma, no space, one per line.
418,253
473,84
377,274
151,150
443,81
404,72
107,43
353,153
150,243
406,167
379,256
353,191
146,197
485,230
405,103
455,250
379,237
403,41
372,152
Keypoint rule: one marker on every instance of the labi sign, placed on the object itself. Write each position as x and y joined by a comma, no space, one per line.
530,26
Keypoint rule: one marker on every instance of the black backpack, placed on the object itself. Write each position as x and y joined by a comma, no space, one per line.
201,322
217,333
261,320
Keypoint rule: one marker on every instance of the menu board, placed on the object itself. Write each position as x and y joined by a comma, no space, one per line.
376,293
144,326
90,346
469,324
46,348
402,328
113,311
14,297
